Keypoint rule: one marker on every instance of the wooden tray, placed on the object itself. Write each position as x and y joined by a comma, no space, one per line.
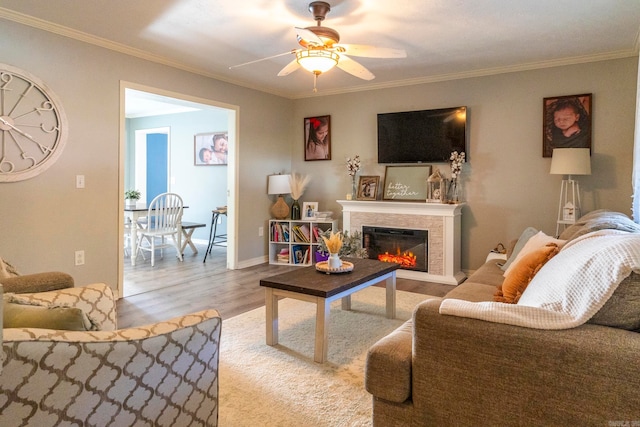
323,266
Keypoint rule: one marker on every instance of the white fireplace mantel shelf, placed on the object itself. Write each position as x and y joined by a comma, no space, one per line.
416,208
441,220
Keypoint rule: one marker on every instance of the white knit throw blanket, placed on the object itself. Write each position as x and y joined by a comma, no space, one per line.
569,289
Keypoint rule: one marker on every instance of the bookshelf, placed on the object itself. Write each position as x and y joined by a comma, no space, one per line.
295,242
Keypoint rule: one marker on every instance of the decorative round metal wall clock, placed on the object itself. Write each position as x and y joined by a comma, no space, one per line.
33,125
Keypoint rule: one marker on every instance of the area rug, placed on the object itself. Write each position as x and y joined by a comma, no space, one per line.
281,385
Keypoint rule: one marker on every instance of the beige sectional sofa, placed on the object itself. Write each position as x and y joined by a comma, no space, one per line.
440,370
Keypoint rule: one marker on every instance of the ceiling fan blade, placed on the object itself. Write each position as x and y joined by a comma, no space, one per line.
308,36
289,68
263,59
370,51
352,67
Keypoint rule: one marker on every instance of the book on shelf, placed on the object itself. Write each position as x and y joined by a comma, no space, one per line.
283,256
302,233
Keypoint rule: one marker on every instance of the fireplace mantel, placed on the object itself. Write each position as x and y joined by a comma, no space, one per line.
441,220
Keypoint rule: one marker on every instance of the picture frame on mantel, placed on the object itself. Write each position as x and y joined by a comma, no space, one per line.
368,188
406,183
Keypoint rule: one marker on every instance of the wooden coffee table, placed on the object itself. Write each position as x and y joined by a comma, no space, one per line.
308,284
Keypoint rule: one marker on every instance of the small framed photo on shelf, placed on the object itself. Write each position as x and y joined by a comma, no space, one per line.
309,210
368,188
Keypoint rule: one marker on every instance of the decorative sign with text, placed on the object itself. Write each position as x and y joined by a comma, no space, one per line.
406,183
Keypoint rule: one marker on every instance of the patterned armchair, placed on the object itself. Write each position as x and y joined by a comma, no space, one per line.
165,374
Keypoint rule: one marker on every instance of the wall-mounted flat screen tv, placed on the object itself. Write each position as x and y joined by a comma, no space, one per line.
426,136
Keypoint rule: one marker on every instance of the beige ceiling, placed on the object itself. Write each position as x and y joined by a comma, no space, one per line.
444,39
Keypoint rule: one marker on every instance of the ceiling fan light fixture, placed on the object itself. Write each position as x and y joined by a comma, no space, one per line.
317,60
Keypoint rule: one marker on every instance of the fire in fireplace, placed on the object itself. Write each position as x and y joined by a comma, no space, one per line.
405,247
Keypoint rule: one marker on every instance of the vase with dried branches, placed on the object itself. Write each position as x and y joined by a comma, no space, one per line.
298,183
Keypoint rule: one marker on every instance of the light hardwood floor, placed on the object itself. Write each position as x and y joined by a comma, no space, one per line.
172,288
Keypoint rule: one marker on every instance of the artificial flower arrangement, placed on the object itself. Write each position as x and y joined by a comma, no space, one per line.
298,184
456,164
353,165
457,160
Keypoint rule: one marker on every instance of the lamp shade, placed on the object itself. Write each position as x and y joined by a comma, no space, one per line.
571,161
279,184
317,60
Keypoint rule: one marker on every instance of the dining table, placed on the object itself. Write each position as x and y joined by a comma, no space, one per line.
133,214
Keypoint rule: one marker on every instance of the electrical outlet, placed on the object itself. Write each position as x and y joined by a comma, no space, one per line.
79,181
219,219
79,257
260,231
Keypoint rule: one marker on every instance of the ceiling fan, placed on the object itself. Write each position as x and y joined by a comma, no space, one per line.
321,50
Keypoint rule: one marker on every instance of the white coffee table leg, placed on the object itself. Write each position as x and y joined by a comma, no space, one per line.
271,305
391,296
322,330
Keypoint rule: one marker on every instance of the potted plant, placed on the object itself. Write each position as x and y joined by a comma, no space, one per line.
131,197
351,246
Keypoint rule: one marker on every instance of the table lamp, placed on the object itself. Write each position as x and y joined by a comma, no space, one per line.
570,161
279,184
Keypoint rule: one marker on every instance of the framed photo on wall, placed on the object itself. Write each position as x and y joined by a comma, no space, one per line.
210,149
309,210
317,138
368,188
566,122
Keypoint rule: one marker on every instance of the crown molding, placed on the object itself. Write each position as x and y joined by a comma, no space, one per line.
138,53
121,48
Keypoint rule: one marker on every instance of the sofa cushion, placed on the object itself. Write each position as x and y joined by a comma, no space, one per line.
539,240
522,272
20,313
528,233
622,309
599,220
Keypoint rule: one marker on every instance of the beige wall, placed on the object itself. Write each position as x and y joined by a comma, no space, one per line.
507,182
45,219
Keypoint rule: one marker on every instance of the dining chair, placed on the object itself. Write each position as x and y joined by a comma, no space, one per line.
163,221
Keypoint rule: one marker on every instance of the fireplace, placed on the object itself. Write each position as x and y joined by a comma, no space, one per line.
441,220
402,246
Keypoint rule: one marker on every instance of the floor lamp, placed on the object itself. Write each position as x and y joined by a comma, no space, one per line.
279,184
570,161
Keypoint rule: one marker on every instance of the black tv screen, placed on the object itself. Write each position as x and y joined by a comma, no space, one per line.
421,136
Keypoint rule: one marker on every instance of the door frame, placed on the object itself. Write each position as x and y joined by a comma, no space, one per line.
233,115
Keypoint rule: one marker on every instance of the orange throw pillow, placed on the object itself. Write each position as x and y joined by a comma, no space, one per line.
522,273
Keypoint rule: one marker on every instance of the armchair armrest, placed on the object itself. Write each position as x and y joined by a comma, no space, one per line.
38,282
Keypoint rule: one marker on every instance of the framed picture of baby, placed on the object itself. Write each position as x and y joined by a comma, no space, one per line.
566,122
211,148
317,138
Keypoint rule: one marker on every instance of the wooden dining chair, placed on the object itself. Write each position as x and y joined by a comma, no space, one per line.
164,222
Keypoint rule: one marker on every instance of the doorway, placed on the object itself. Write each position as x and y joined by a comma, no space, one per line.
152,162
174,103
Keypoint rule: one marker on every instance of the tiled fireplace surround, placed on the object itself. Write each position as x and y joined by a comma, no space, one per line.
442,221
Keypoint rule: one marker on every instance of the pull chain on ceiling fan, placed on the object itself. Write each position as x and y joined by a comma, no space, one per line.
321,50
